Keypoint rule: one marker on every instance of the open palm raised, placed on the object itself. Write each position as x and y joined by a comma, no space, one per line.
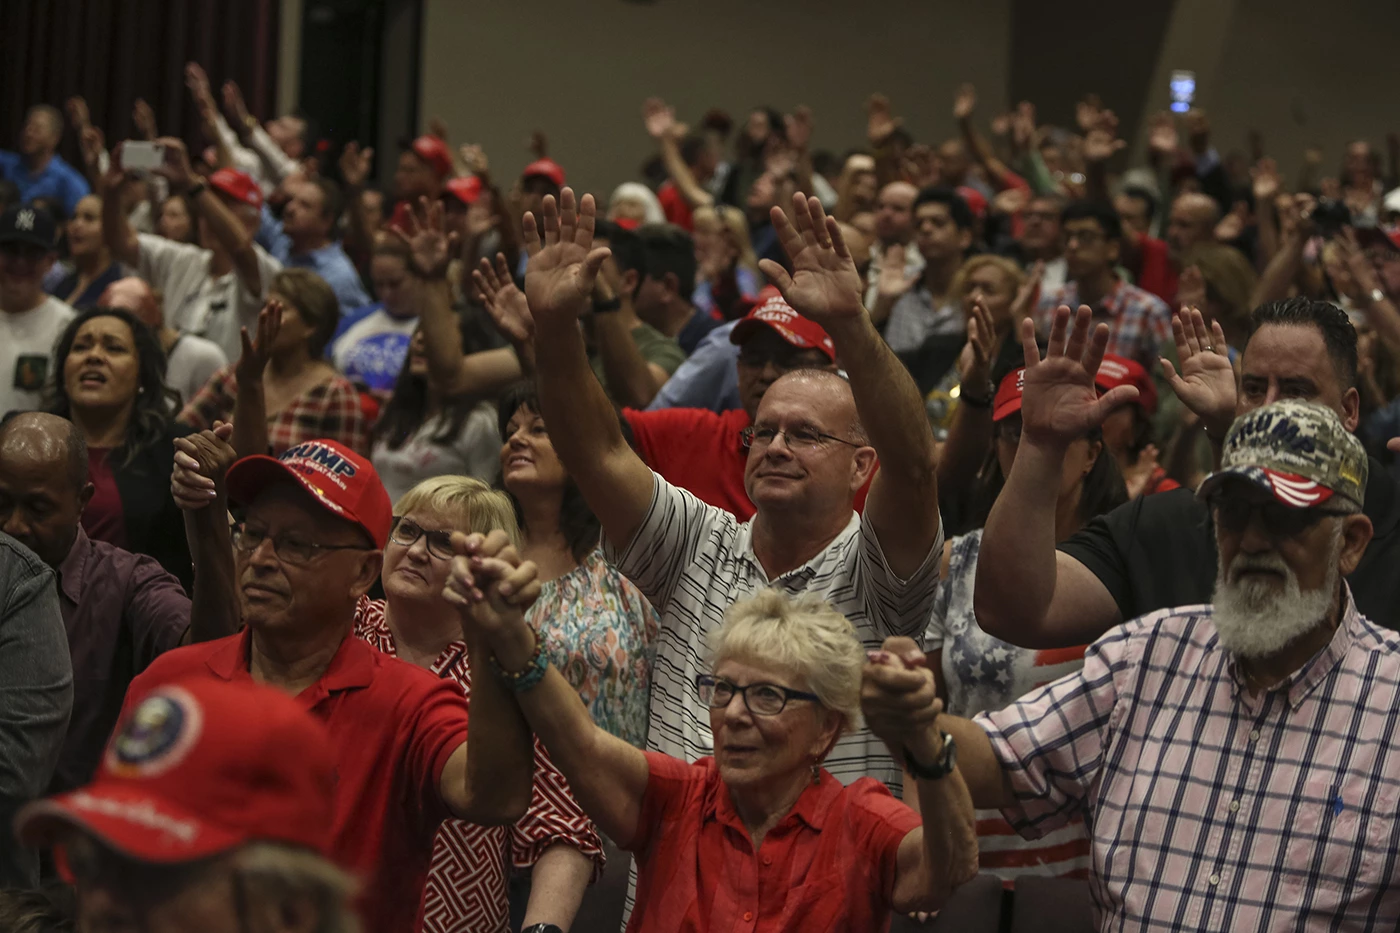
1060,403
559,277
824,284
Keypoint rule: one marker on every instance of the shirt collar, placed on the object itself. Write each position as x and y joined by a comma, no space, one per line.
71,571
1301,682
743,546
351,667
1110,304
376,629
811,808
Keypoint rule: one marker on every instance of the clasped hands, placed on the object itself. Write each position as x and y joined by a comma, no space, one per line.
899,700
492,587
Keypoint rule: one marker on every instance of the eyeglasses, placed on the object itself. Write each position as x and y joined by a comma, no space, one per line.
288,548
1085,237
797,438
1279,520
405,532
761,699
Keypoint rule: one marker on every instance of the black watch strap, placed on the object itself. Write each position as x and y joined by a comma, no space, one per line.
603,307
940,768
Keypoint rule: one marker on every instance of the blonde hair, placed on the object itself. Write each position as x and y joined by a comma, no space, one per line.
1003,265
803,636
277,874
473,505
731,221
1229,278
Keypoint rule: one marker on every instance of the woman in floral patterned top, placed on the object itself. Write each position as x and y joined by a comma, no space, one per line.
597,627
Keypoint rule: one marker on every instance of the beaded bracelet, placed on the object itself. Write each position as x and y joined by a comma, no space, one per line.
530,676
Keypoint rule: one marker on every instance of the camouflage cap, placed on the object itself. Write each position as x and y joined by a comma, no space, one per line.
1297,451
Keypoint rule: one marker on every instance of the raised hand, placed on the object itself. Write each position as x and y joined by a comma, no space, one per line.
564,265
880,121
473,157
1363,271
176,166
824,284
1101,143
355,164
899,696
1136,476
1060,403
201,463
492,587
430,245
964,102
893,282
538,144
1232,225
1162,137
91,142
144,119
504,302
78,113
975,360
235,109
1023,126
1267,180
798,125
256,352
437,126
1087,112
198,83
659,118
1206,383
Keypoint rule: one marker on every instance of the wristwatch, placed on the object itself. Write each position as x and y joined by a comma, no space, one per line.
940,768
603,307
541,928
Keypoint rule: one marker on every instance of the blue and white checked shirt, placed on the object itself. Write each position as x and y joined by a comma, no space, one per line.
1211,808
1139,323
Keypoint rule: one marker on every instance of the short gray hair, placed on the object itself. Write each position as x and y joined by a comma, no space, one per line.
804,636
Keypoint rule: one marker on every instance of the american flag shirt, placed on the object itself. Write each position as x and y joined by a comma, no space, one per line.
467,890
1210,807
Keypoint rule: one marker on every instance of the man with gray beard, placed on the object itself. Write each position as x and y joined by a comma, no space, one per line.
1233,761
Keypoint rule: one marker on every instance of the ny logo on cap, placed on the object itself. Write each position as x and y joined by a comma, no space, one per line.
24,220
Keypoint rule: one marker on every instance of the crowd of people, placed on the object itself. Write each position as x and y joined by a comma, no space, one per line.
810,535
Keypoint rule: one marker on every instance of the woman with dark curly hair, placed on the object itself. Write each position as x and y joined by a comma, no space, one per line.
110,382
597,628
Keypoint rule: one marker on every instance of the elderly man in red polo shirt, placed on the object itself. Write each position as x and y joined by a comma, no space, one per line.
311,544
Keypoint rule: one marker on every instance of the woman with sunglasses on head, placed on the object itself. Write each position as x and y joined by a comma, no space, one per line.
977,671
759,835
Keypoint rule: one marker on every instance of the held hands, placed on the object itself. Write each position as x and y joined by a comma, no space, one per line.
824,284
562,269
899,699
1206,384
253,360
430,246
1060,402
201,462
492,587
505,303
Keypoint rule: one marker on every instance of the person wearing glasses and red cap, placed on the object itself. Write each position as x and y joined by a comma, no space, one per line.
211,814
316,522
211,290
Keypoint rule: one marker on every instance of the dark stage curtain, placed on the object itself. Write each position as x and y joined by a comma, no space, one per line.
114,51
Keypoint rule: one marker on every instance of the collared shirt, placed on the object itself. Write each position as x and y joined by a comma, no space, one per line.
121,611
331,263
830,864
1211,807
57,180
1139,323
330,409
709,378
693,561
915,318
466,891
393,726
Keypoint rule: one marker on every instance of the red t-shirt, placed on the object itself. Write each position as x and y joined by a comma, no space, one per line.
393,727
1156,274
675,207
701,452
829,865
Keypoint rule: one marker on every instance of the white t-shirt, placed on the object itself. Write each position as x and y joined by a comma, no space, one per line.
475,451
195,302
374,349
27,341
191,362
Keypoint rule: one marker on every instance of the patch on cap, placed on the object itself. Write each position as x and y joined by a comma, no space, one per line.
157,736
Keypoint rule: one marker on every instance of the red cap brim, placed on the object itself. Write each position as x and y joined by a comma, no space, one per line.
129,820
1006,409
745,328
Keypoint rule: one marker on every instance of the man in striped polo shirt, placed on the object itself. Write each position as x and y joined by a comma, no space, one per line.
814,442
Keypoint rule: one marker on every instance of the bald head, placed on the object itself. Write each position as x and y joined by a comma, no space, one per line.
135,295
1192,220
43,483
828,396
894,213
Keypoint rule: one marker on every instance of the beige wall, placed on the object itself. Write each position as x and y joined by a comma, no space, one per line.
580,69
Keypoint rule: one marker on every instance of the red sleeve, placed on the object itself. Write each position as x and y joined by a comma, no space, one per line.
880,824
1010,179
653,432
436,723
674,206
670,782
554,817
1157,275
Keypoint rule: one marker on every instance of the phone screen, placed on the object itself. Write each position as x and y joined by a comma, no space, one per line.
138,155
1183,90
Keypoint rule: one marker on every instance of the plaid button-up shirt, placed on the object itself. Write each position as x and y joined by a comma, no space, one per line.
328,410
1139,323
1210,807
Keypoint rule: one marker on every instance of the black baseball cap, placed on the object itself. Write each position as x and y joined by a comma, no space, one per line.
30,225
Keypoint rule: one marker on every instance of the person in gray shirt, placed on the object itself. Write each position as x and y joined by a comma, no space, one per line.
36,696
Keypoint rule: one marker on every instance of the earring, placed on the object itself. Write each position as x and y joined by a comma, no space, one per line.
816,772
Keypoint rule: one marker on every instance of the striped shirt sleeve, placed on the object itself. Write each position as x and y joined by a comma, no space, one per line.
897,606
666,541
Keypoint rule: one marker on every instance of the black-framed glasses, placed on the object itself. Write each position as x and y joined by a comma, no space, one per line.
797,438
290,549
405,532
1279,520
761,699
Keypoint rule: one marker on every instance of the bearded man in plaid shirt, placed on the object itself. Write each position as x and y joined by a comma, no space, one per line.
1234,762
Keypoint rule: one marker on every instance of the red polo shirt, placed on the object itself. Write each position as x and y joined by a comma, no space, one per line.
393,727
829,865
701,452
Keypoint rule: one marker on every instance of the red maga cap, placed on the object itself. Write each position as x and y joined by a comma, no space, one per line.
1008,397
465,189
546,167
1117,371
435,152
238,186
772,311
340,480
198,767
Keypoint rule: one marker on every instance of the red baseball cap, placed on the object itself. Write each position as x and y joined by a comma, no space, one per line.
546,167
464,188
200,766
238,186
770,310
1008,398
340,480
434,151
1117,371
